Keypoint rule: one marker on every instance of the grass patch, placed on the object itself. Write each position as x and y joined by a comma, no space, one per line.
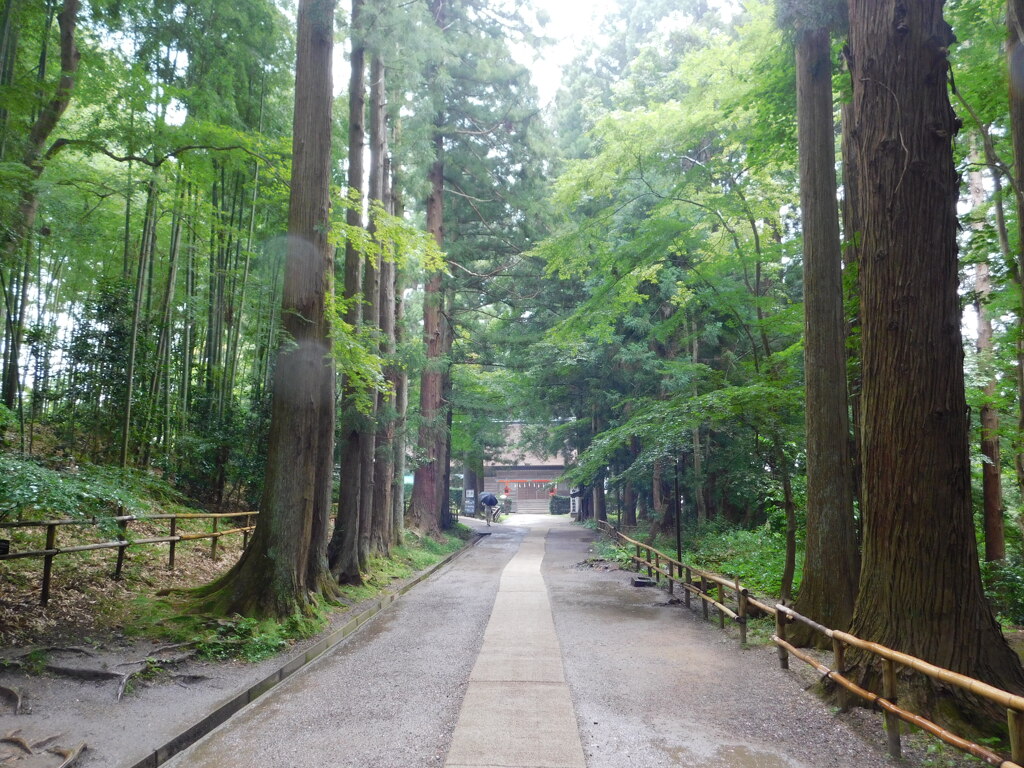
756,557
252,640
222,638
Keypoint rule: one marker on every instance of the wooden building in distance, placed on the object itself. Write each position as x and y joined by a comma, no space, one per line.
527,478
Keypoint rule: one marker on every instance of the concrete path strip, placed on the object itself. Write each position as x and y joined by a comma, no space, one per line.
517,712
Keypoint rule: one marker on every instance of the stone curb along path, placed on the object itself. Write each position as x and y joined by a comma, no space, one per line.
237,702
518,712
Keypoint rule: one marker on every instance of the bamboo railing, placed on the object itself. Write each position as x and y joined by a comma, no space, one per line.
709,587
51,550
659,564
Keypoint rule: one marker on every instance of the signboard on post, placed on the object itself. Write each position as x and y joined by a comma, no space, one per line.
469,502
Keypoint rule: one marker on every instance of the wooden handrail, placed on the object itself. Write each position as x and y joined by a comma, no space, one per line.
125,518
938,731
51,549
969,684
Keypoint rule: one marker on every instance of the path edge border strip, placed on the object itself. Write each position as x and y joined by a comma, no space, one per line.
236,703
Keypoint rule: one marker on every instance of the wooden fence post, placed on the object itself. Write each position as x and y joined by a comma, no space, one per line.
657,567
245,533
780,632
1015,721
704,596
213,541
51,544
648,557
742,599
686,590
123,533
839,665
892,722
721,601
174,532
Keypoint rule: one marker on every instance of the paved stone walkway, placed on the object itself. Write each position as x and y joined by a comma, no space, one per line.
518,712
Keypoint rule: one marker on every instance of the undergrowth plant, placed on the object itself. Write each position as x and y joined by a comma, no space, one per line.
251,640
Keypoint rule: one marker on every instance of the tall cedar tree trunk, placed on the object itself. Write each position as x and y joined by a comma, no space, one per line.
851,297
285,566
1015,55
991,470
13,235
344,545
829,586
424,511
384,467
401,384
920,585
369,529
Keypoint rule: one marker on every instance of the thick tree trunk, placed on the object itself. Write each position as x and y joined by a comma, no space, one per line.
285,568
401,384
920,586
829,586
384,468
344,545
424,512
372,529
851,297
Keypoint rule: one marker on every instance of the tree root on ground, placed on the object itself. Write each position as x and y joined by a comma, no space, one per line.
149,663
22,748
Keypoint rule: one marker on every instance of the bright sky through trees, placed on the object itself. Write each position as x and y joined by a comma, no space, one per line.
570,24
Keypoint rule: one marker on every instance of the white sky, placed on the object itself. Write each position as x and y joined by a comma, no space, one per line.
570,23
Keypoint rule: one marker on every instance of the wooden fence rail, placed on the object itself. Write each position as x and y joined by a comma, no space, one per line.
649,558
51,550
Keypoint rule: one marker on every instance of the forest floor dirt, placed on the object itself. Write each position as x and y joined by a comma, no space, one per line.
71,677
70,674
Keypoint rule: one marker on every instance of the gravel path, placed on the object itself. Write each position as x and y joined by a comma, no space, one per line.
655,685
387,698
652,684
